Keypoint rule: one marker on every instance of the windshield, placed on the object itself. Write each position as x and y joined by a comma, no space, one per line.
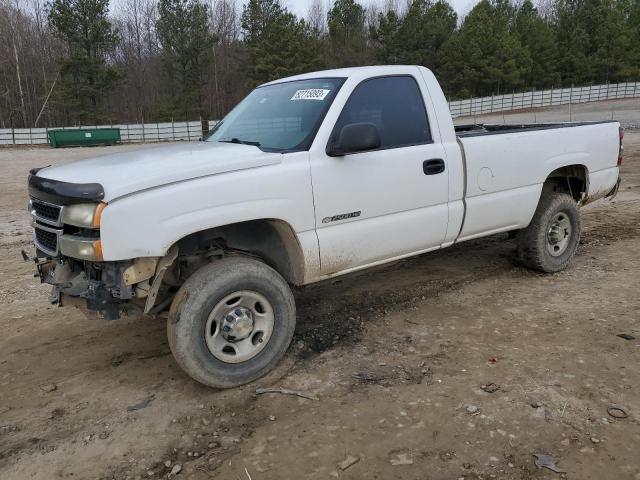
280,117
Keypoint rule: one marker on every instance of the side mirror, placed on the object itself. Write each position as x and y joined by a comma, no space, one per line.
353,138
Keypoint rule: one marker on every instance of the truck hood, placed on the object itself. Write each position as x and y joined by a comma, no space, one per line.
129,172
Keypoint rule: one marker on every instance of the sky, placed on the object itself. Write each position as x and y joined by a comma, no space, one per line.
301,7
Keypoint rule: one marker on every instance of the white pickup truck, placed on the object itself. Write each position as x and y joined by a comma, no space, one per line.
309,177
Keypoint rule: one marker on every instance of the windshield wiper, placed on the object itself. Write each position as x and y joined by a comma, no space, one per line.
242,142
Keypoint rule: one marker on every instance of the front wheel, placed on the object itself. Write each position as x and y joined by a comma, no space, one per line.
231,322
550,241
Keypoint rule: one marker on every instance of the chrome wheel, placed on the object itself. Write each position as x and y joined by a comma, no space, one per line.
558,234
239,326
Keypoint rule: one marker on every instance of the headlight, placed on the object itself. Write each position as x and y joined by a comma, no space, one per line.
85,215
81,248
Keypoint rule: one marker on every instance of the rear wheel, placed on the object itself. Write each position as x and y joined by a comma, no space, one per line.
231,322
550,241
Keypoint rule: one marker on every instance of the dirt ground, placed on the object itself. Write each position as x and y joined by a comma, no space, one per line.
396,356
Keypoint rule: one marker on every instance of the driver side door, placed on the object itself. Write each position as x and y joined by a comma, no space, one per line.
385,203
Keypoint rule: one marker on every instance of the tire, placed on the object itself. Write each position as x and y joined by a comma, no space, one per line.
196,332
550,241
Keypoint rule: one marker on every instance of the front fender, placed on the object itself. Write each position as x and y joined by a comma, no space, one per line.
147,223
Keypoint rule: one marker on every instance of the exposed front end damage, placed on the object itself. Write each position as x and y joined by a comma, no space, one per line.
97,287
109,289
67,239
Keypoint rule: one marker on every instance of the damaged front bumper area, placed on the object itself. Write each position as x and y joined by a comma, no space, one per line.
94,287
111,289
67,239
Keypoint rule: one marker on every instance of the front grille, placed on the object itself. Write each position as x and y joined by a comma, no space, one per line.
46,240
45,211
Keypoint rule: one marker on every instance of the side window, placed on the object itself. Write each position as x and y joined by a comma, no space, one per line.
394,105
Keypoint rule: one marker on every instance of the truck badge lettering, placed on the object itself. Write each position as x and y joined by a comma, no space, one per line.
342,216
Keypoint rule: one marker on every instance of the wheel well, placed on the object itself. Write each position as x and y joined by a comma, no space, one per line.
273,241
572,179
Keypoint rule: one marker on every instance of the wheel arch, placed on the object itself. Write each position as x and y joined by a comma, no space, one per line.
572,179
272,240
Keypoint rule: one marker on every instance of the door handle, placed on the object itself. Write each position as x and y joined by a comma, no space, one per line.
433,166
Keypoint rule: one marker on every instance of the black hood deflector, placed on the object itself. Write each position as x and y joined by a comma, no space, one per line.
63,193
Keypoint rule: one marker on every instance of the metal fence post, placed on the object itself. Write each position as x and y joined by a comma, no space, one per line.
475,114
570,102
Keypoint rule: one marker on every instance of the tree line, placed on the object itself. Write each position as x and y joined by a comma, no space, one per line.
74,62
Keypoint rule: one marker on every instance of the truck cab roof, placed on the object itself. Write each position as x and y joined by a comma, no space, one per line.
358,72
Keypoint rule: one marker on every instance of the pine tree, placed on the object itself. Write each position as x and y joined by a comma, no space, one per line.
347,33
278,43
485,56
418,37
595,40
610,40
632,8
183,31
86,78
441,20
538,37
389,50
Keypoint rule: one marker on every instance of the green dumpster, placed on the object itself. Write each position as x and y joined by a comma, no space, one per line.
84,137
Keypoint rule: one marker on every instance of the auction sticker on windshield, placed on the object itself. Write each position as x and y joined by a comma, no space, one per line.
311,94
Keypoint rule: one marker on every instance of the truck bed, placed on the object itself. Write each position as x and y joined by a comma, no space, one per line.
478,129
505,173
